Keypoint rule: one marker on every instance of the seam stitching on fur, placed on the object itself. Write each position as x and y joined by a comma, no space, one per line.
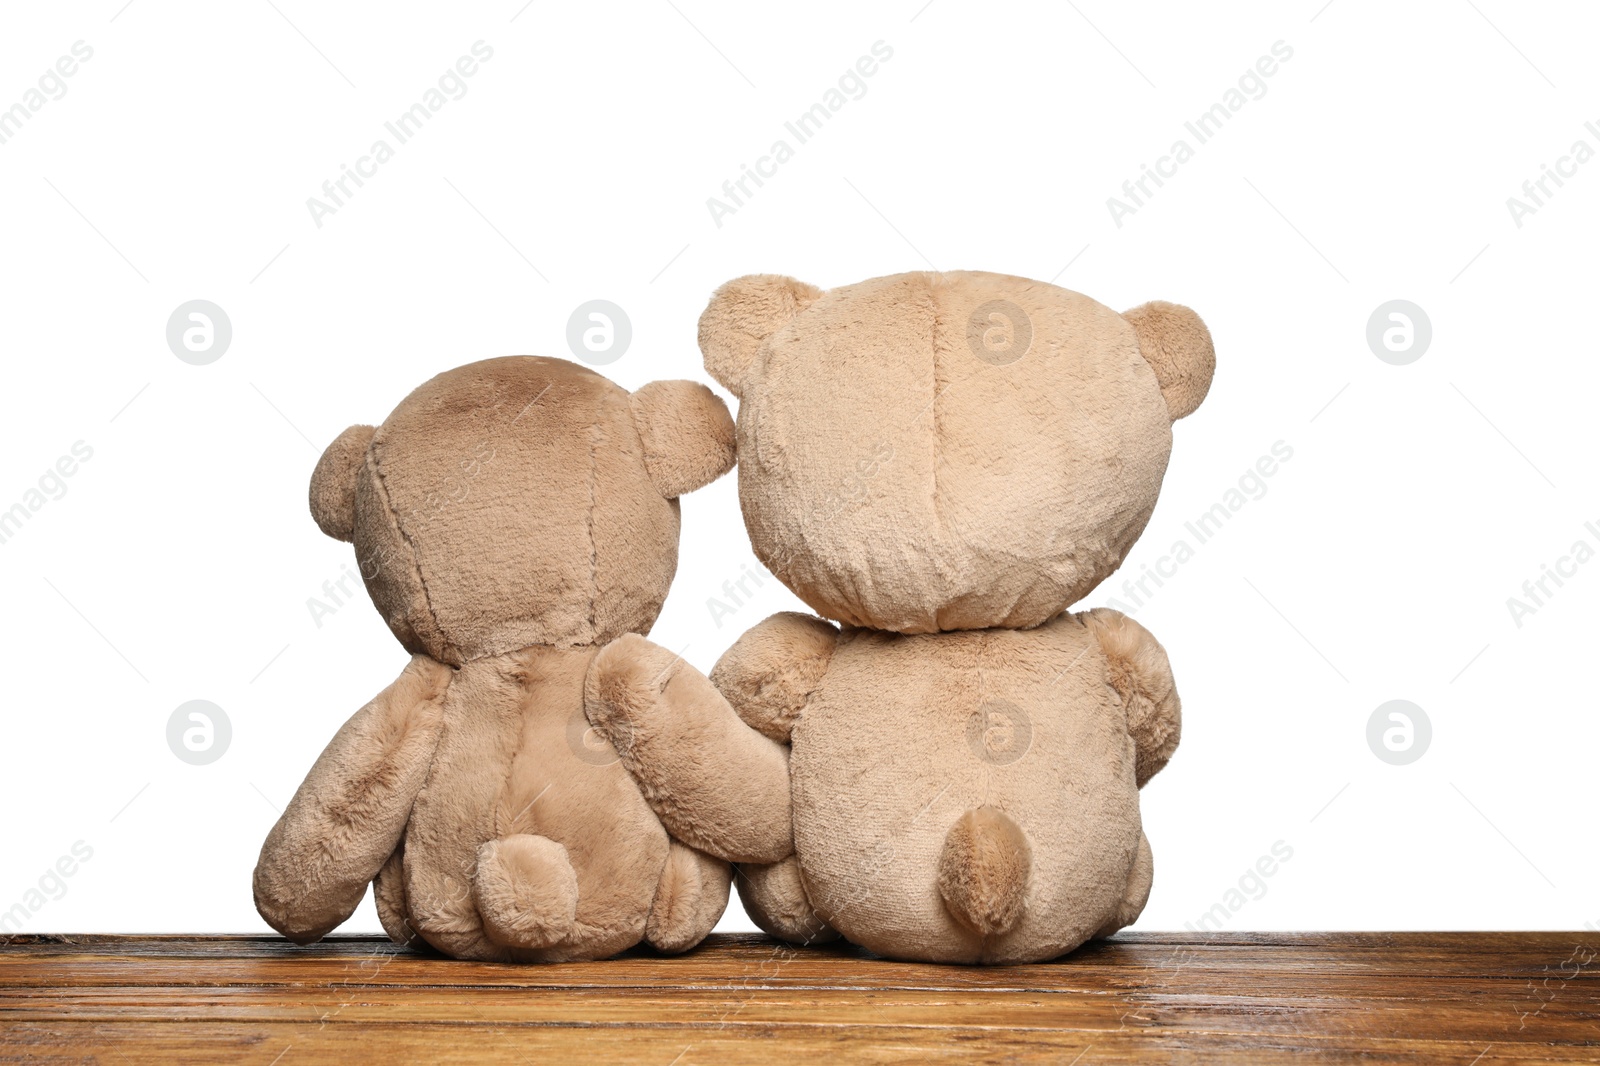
416,559
816,686
980,646
933,438
594,554
644,445
504,827
661,882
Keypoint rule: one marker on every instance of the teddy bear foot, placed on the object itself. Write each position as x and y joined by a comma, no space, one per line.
775,899
526,891
389,893
690,897
1138,892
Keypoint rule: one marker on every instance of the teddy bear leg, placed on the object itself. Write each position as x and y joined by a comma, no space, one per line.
526,891
775,898
690,897
389,894
715,783
1133,901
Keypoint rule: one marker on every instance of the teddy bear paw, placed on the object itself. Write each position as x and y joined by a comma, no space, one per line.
626,687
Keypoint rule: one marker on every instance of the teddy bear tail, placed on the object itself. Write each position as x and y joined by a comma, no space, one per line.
526,891
983,871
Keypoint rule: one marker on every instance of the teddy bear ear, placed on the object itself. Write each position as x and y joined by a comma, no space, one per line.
1178,348
743,314
333,482
687,435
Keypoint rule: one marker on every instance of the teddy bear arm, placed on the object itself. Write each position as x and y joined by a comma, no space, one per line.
771,671
716,784
1142,677
347,817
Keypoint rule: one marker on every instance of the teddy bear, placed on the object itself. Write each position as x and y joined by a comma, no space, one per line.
940,465
513,520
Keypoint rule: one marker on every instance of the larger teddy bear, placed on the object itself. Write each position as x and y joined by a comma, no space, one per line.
516,523
942,464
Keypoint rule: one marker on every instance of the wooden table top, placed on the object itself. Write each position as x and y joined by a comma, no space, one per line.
1468,998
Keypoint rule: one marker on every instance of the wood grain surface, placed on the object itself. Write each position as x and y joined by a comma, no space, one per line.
1469,998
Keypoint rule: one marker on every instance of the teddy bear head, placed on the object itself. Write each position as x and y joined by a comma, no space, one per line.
521,501
939,451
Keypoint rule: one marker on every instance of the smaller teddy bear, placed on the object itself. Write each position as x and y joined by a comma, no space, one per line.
512,519
941,465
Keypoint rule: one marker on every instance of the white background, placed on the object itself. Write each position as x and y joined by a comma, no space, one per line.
1377,565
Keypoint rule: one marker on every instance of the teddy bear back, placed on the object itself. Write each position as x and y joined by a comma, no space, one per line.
1015,720
521,501
928,452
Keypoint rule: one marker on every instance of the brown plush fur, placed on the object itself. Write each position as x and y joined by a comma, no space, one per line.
965,758
346,819
526,891
1178,346
715,783
1140,878
1140,673
734,327
894,479
690,897
677,420
333,482
512,519
775,899
389,896
798,648
509,503
983,871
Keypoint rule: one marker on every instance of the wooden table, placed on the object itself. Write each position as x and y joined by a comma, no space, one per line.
1466,998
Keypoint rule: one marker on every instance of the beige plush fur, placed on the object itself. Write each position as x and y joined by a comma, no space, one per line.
983,871
895,479
783,663
516,523
1178,346
776,900
733,330
943,463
